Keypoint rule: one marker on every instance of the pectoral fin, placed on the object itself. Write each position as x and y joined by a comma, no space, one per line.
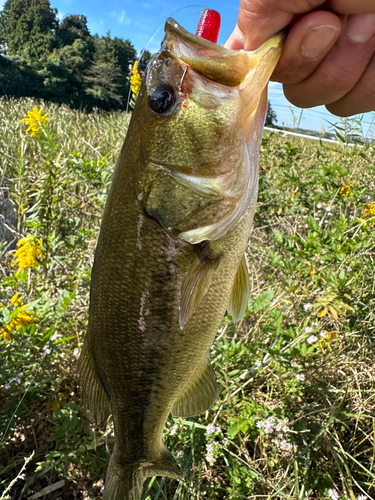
94,397
200,396
240,292
197,282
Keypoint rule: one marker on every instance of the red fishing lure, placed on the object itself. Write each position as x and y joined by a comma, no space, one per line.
209,25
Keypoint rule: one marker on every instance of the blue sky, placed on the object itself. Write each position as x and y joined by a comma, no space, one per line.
142,21
139,21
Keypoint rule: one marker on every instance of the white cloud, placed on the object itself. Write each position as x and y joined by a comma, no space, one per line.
123,19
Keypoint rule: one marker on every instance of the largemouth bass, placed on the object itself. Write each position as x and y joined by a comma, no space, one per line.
170,255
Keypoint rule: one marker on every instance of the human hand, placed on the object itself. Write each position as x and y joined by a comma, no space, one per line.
329,53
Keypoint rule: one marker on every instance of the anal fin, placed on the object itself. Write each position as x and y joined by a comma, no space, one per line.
197,282
240,292
200,396
94,397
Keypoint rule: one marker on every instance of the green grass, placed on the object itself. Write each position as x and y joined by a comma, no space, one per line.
311,261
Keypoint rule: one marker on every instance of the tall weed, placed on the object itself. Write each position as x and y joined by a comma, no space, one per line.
295,414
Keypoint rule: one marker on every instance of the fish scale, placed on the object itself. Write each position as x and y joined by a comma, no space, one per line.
170,254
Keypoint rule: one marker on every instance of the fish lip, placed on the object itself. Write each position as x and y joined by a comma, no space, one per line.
174,28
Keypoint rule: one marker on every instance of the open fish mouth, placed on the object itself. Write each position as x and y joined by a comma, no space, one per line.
217,63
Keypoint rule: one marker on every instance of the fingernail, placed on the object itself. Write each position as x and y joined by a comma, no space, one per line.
360,28
318,40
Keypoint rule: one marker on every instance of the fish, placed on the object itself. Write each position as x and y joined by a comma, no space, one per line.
170,257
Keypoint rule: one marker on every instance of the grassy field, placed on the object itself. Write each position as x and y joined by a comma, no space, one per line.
295,415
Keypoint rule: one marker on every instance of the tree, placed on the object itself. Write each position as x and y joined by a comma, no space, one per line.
71,28
102,83
146,56
27,28
123,54
4,21
56,78
118,53
18,79
76,59
271,117
63,70
62,62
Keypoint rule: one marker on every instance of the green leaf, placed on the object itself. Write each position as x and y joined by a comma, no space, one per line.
277,236
263,301
234,429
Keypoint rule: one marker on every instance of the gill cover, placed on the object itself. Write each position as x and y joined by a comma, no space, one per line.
215,77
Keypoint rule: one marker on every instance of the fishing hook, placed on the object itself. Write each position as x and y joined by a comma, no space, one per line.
182,79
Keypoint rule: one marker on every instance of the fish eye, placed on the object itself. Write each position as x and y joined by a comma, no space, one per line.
161,98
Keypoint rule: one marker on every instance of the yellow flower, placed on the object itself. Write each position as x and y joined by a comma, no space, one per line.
345,190
5,334
16,300
326,338
370,211
28,253
21,319
135,79
35,120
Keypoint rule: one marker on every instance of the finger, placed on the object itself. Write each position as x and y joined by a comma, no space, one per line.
352,6
361,98
361,27
236,40
339,71
306,45
258,20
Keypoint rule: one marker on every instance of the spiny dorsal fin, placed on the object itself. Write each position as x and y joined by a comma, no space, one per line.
240,292
94,397
197,282
200,396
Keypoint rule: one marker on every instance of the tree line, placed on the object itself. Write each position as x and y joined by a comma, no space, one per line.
61,61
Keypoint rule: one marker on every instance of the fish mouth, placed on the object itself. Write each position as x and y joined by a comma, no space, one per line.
172,27
215,62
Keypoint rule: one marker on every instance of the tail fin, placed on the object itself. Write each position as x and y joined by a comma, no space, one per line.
125,481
